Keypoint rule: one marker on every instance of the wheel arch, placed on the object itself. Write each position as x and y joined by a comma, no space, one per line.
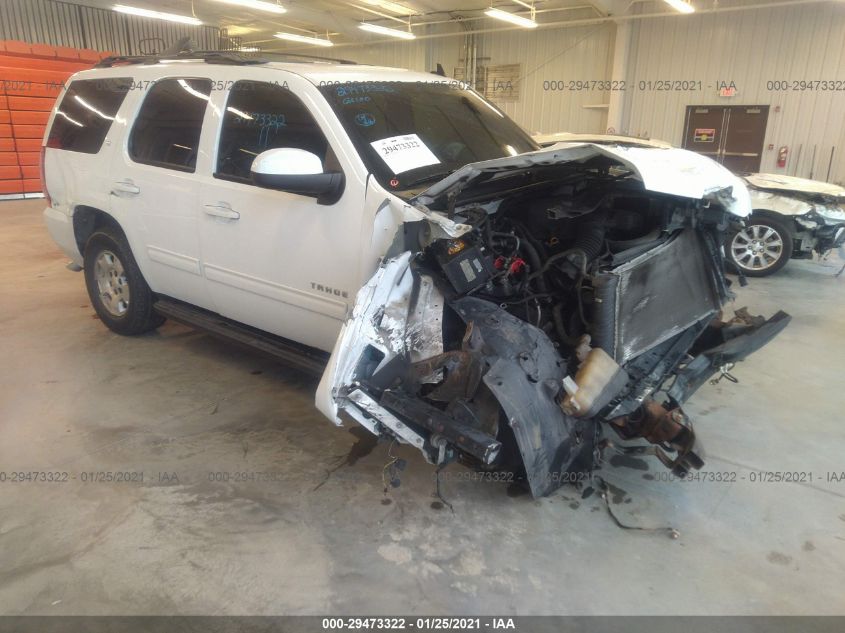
786,220
87,219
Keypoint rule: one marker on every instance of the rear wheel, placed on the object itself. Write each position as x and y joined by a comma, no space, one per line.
761,248
118,292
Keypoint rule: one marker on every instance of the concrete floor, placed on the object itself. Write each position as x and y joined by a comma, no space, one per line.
321,537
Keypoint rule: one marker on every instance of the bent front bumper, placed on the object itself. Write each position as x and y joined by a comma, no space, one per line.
723,356
393,372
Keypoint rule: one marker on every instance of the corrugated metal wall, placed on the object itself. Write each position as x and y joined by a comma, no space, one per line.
750,48
554,55
422,55
67,24
547,55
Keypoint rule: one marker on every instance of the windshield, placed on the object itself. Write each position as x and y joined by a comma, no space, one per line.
410,135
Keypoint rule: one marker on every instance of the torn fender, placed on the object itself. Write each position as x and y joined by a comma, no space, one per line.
367,334
525,375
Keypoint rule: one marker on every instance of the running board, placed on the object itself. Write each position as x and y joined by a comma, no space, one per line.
302,357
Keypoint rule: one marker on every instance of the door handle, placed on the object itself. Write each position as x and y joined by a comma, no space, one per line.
222,211
125,187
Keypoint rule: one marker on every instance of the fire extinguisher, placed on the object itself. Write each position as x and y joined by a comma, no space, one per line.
782,152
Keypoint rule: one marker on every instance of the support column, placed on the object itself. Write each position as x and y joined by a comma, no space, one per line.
616,109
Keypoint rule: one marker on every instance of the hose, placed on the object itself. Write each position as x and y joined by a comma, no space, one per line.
551,260
590,237
557,315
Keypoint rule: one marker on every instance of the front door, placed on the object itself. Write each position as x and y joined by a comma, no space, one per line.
277,261
730,135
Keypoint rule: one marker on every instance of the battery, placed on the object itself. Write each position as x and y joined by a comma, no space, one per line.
464,265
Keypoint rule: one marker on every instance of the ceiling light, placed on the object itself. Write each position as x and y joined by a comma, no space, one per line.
304,39
395,7
383,30
259,5
512,18
680,5
158,15
233,29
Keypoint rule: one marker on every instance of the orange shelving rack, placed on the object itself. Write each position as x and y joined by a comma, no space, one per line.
31,77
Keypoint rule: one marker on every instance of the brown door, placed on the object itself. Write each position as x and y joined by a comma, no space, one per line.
704,128
746,130
731,135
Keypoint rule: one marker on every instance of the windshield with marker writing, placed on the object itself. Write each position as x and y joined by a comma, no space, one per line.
410,135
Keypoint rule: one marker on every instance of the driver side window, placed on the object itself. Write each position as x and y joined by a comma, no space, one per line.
261,116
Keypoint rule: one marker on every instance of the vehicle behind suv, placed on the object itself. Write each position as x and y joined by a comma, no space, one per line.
483,300
792,218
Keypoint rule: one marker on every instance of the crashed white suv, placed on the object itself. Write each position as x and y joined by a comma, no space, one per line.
512,304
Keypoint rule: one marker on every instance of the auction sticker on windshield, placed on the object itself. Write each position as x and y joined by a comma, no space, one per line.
403,153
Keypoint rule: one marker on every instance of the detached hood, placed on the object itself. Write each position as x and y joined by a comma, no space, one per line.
546,140
670,171
780,183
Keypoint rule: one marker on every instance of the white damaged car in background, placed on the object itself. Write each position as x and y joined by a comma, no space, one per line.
792,218
531,304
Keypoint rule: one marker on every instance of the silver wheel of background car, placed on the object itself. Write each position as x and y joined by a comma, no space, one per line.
112,284
757,247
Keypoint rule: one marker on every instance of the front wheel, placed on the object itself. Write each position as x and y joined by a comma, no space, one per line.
118,292
761,248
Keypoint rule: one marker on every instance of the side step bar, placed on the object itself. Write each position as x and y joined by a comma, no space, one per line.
302,357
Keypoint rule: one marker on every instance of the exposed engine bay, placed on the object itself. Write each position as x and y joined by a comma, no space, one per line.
568,301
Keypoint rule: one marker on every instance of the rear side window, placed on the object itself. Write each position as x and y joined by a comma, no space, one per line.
86,112
167,130
261,116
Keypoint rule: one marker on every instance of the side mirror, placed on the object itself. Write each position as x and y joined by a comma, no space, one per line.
297,171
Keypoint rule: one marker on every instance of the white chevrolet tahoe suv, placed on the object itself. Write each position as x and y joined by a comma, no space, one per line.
481,299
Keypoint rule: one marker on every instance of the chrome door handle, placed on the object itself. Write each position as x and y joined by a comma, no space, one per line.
222,211
126,187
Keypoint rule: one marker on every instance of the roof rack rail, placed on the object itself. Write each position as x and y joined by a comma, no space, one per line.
303,57
209,57
235,58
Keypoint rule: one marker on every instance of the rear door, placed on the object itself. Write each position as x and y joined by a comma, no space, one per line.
154,185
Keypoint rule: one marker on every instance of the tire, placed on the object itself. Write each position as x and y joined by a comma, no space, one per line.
761,248
118,292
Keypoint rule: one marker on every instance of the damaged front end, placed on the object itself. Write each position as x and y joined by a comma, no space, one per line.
531,303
